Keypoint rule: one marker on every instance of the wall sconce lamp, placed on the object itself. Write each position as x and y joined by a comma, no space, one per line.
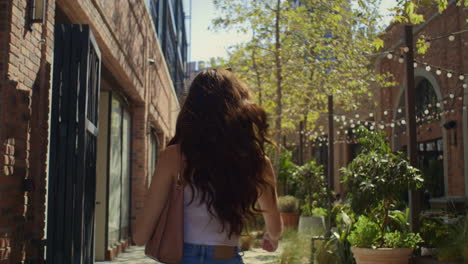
38,10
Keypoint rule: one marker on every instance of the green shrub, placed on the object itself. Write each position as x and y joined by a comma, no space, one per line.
365,233
398,239
319,211
288,204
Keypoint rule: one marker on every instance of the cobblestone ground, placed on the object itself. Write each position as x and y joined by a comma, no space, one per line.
135,255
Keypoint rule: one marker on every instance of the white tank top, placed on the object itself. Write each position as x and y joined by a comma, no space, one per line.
200,227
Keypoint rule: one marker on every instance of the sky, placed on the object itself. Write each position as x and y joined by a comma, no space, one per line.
206,43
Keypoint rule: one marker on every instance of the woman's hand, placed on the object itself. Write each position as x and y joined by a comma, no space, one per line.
269,244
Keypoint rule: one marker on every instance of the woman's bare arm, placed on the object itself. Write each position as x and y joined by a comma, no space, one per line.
268,202
166,170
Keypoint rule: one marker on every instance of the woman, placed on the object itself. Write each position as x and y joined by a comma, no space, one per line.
219,148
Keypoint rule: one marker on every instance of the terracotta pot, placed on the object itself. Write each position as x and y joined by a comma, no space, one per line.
382,255
290,219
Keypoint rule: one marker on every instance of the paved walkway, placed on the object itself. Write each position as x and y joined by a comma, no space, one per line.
135,255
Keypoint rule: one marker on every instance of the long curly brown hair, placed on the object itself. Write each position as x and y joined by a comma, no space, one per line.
222,134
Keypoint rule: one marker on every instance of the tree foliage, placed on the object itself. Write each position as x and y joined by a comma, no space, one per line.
298,55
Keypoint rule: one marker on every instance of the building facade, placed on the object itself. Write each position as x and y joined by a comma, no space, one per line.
441,83
89,96
441,100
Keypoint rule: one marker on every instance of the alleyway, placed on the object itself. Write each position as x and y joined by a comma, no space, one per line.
135,255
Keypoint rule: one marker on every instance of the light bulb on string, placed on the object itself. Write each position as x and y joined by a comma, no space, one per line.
346,132
381,126
438,105
371,114
401,59
399,110
451,96
451,38
385,112
359,122
465,86
406,49
390,56
354,131
426,112
392,125
415,64
438,72
357,115
366,123
428,68
403,122
449,75
461,77
353,125
371,127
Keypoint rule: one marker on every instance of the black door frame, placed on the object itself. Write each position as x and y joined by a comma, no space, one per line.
73,142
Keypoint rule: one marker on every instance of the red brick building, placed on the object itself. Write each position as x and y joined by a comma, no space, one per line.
70,185
441,99
441,106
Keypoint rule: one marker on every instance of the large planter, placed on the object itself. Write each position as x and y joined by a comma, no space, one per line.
382,255
313,225
290,220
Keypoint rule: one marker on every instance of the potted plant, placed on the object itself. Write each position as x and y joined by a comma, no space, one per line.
312,220
376,180
453,246
311,187
289,210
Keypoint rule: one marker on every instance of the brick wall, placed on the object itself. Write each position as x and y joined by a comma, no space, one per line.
25,58
126,38
444,53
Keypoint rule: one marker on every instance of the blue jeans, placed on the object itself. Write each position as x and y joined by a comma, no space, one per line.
199,254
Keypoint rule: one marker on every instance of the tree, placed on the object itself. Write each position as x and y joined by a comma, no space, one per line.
300,54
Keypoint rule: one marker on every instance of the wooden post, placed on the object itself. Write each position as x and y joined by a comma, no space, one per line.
414,197
331,158
301,142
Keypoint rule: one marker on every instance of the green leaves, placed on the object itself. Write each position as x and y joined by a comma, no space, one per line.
377,175
365,233
378,43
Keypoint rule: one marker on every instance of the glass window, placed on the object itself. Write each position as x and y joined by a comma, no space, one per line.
153,156
119,173
115,169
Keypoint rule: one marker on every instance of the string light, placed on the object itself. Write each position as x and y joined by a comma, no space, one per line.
406,49
438,72
390,56
371,114
415,65
428,68
451,96
449,75
385,112
401,59
465,86
451,38
461,77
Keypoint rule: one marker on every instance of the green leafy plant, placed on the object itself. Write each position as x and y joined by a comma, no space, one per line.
365,233
286,169
311,186
375,179
453,246
399,239
434,232
288,204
